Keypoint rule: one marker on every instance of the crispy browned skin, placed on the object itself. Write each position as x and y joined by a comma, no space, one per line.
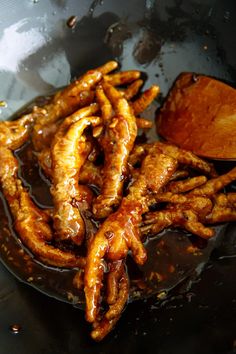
146,98
15,133
65,102
120,231
69,152
186,185
206,109
30,222
117,142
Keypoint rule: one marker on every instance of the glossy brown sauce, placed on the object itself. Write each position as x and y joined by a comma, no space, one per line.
173,256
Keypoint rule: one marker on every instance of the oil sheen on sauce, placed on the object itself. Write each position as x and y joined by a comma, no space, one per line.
174,257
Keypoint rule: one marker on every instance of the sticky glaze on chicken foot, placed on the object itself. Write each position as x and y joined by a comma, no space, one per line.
44,156
117,142
89,173
120,231
183,212
118,288
224,209
214,185
145,99
182,156
68,154
65,102
30,222
122,77
15,133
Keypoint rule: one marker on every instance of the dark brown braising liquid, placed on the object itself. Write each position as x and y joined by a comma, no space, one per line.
173,256
15,256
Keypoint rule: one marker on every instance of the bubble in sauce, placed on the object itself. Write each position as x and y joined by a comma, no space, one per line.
15,328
